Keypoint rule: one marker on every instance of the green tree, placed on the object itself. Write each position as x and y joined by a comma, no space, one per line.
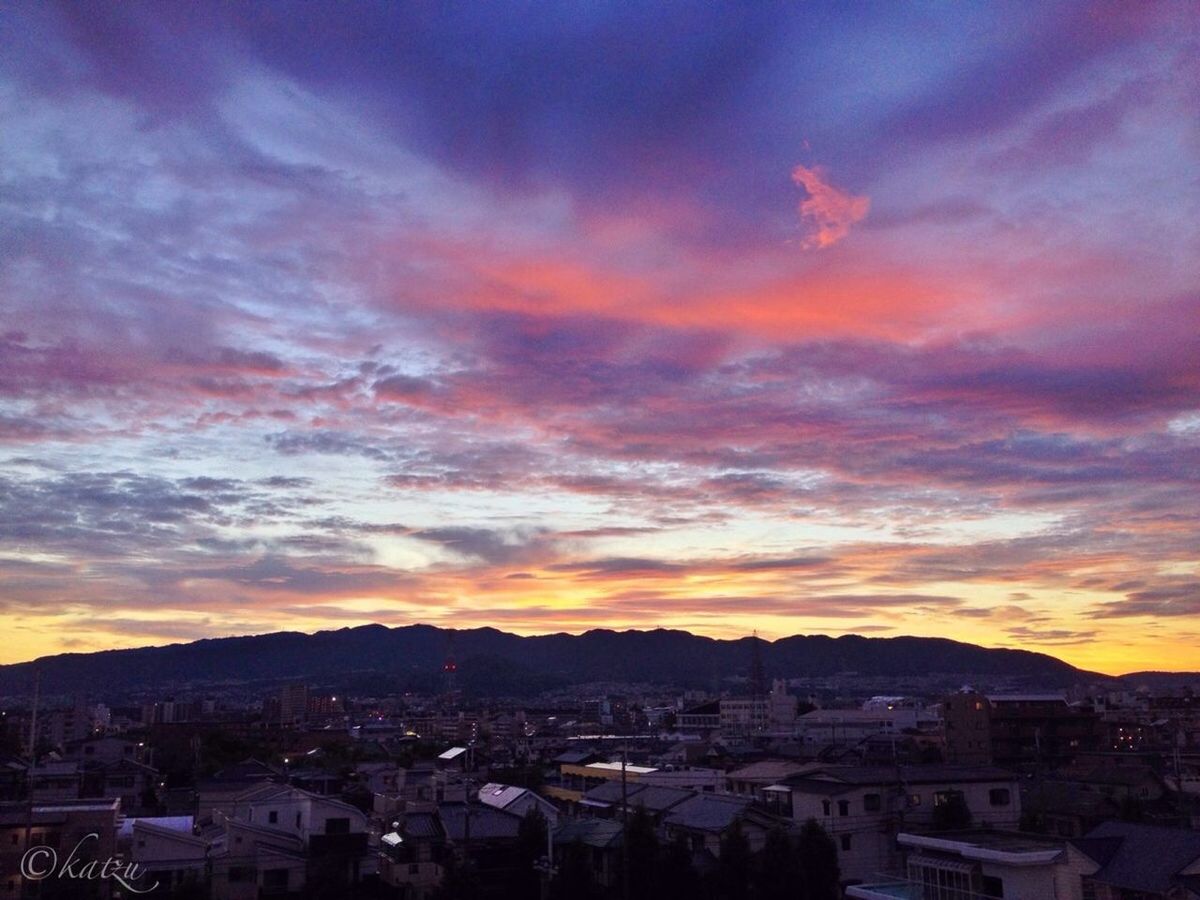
817,859
734,865
531,846
779,874
575,879
460,881
642,847
678,878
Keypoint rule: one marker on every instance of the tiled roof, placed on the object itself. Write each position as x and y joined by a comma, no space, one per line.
422,826
1138,857
486,823
593,832
708,812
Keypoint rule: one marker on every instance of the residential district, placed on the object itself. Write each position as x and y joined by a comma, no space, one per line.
807,789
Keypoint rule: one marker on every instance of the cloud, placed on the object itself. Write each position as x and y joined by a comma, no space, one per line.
828,210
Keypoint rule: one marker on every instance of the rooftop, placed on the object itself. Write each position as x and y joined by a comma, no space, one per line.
1008,847
1140,857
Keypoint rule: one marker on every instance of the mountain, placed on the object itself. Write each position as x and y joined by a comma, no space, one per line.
492,661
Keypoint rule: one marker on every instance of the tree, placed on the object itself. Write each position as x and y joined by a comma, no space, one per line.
817,858
575,879
779,874
642,847
952,813
460,881
734,866
677,876
531,846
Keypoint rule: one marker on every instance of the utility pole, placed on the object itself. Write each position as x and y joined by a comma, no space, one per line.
624,822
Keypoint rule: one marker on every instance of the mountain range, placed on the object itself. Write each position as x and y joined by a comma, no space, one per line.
493,662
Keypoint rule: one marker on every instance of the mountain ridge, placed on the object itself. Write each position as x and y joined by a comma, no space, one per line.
599,654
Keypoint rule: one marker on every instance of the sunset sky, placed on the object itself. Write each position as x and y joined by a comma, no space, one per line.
858,318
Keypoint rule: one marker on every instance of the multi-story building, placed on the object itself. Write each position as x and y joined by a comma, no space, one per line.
1020,731
83,829
864,807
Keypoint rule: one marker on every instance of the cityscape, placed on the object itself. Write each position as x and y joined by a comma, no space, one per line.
599,451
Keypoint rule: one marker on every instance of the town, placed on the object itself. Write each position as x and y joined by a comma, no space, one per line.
800,788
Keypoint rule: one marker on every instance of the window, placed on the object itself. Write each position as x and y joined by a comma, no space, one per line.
999,797
297,820
993,886
337,826
273,816
825,807
845,842
941,798
914,799
414,868
872,803
843,807
242,873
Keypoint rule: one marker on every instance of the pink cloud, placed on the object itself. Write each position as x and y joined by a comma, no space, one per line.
829,211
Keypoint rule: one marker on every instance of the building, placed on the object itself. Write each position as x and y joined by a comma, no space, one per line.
293,705
169,853
965,865
749,780
703,820
517,800
864,807
88,828
1129,861
1028,732
575,780
278,838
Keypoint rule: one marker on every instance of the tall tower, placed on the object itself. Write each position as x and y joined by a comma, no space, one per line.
758,685
450,670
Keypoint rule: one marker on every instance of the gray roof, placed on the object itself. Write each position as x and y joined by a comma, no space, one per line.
1140,857
708,812
422,826
574,757
652,797
487,823
881,775
593,832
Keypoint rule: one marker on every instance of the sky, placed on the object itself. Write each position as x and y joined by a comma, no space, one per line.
810,318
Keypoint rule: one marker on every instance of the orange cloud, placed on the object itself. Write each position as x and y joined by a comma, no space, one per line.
828,210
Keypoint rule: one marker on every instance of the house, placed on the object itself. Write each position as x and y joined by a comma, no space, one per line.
168,851
215,794
517,800
749,780
331,836
55,780
864,807
411,855
600,841
248,861
702,820
1144,862
604,801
